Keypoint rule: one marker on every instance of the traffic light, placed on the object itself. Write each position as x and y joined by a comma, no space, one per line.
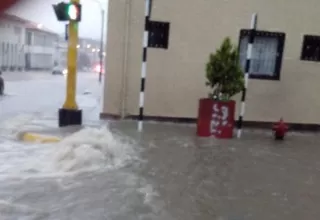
68,11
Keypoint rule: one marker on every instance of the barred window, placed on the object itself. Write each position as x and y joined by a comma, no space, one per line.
311,48
266,55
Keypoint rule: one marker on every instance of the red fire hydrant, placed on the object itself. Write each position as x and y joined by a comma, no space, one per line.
280,129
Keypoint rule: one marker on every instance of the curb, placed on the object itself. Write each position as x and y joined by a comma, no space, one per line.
38,138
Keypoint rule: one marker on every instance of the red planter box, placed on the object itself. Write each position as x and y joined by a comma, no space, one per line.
216,118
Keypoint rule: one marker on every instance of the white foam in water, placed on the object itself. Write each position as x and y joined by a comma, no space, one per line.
87,150
92,148
12,126
149,193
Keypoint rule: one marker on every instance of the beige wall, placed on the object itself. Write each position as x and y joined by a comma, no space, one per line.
176,77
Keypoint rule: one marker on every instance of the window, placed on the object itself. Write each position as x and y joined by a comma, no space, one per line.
17,32
39,39
311,48
159,34
28,38
266,55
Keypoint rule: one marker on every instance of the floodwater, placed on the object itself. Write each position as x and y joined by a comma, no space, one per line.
109,171
89,175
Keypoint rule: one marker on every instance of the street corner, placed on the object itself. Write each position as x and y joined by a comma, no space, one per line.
34,137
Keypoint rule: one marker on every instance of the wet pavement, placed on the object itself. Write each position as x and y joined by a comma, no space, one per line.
40,93
165,173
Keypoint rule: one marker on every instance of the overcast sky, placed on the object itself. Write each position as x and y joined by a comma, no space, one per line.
41,11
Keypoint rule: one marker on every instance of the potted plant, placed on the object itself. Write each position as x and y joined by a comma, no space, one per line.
225,79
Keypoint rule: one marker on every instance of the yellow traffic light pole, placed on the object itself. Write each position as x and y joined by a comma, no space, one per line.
70,102
69,114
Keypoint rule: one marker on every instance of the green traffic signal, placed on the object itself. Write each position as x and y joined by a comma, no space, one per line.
73,12
68,11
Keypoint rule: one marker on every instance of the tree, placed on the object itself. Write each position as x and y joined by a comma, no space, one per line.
223,72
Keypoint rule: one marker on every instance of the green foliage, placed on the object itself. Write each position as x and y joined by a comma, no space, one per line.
223,72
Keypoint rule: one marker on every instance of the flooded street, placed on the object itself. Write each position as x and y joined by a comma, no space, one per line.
254,178
89,175
109,171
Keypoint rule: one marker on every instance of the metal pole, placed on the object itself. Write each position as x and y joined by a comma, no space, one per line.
69,114
247,71
148,7
101,45
70,102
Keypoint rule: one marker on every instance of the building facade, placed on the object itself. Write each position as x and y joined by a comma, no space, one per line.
62,49
40,48
25,45
11,43
286,68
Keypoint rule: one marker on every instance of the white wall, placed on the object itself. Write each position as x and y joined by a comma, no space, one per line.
13,47
12,36
43,49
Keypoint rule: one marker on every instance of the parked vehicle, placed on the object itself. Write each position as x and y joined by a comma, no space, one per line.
59,70
1,84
